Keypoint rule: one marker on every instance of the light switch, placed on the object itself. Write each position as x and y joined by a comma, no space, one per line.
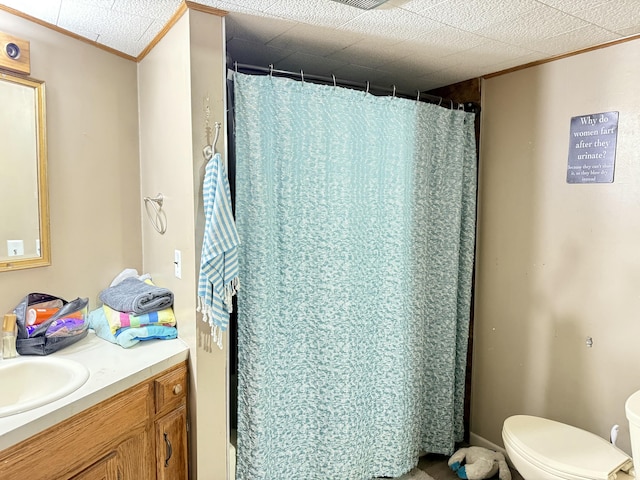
15,248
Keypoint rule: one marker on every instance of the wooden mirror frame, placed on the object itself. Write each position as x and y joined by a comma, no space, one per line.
44,258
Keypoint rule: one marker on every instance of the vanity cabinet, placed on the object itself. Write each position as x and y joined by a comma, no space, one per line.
138,434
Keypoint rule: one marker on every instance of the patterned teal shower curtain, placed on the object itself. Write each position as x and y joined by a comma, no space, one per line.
356,216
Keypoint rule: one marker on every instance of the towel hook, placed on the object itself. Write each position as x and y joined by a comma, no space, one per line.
159,221
209,150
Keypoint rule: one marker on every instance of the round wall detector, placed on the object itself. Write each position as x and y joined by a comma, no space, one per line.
13,50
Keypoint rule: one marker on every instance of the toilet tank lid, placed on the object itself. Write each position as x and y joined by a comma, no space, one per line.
563,448
632,407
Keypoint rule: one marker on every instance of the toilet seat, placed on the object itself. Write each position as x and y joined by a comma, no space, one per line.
563,451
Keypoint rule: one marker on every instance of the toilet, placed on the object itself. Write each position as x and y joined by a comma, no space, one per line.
543,449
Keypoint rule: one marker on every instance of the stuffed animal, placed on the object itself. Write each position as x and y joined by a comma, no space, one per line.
476,463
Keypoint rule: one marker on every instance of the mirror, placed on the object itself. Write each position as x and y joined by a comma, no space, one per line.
24,209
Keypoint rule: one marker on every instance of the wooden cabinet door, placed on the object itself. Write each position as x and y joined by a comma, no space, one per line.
171,445
104,469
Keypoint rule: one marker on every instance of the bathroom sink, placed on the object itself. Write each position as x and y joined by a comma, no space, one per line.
30,382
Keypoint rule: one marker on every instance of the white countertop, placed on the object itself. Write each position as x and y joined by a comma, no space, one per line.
112,369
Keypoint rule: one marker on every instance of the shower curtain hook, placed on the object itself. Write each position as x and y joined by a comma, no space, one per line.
394,91
235,64
302,76
271,69
451,104
440,102
418,99
367,87
334,80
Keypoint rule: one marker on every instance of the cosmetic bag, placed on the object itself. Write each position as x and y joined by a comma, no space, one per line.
65,327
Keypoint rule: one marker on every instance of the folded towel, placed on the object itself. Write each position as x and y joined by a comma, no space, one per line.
218,280
118,320
134,295
128,337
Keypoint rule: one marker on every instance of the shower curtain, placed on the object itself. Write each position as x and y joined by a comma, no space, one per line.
356,215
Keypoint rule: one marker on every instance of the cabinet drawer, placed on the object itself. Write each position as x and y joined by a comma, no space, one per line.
171,389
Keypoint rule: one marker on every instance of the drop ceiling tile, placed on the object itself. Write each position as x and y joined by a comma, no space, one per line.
415,5
447,40
574,6
411,67
489,53
395,24
251,53
254,28
359,73
309,64
249,7
315,40
542,22
46,11
473,15
242,6
78,16
574,40
615,16
515,62
627,32
157,9
326,13
371,51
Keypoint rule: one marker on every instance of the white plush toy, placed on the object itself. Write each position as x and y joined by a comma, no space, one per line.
477,463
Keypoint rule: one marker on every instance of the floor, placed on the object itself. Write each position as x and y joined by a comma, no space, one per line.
437,467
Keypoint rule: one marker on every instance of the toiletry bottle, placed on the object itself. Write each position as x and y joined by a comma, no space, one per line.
9,336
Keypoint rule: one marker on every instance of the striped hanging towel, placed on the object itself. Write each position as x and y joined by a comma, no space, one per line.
218,280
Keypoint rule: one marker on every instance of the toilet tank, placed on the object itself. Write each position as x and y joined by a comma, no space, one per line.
632,407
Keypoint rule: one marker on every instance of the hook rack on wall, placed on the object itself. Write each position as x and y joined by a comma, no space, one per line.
209,150
158,218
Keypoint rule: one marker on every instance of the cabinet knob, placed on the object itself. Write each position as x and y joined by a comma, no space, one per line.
177,390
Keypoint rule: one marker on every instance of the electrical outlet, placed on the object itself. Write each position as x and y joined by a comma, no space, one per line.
177,264
15,248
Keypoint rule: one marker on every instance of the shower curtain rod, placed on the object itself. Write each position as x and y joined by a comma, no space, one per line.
420,96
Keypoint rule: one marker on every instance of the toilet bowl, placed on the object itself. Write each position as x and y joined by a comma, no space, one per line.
543,449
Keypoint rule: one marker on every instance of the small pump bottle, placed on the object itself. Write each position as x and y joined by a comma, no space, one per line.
9,336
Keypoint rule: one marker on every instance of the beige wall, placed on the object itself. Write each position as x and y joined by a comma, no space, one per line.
557,262
94,191
185,68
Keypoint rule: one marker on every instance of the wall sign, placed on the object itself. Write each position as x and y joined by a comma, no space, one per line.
592,148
